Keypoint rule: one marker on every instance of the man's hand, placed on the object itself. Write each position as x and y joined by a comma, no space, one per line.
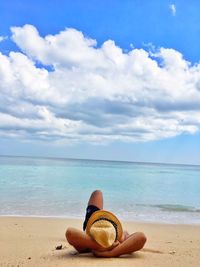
107,253
104,254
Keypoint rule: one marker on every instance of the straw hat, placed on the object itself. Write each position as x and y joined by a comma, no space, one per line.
104,227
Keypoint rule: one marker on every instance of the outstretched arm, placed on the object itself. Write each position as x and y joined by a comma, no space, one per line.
133,243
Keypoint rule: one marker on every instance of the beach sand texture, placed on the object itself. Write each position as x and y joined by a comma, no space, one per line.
32,242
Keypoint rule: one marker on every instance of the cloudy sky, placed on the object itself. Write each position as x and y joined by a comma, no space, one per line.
116,80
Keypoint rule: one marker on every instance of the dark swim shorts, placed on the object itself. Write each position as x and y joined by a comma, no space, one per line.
89,211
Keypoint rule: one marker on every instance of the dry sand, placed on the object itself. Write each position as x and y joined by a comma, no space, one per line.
32,242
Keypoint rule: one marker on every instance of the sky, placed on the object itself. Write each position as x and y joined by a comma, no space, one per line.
111,80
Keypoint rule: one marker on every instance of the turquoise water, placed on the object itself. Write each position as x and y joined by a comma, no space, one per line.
134,191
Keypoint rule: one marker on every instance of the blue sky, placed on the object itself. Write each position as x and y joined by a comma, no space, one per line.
114,80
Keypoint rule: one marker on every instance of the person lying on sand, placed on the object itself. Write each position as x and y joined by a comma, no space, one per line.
103,234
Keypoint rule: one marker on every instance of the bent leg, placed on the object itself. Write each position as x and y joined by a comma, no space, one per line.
96,199
133,243
95,203
80,240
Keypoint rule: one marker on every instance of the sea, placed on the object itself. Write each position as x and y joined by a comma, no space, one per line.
141,192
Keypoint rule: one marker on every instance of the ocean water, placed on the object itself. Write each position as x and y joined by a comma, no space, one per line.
133,191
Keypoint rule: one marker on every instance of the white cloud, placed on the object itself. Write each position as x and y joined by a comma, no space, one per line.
172,8
85,93
2,38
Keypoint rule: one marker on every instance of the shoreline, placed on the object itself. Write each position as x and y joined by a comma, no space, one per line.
80,218
31,241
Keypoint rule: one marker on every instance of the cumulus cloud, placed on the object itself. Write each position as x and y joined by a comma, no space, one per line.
172,8
64,88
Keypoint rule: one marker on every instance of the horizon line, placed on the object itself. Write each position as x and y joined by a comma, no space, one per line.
108,160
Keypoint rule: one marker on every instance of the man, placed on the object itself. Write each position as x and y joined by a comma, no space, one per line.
104,236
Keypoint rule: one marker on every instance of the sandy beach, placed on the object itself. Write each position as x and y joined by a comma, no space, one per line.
32,242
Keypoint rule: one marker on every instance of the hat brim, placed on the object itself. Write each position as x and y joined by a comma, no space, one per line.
108,215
